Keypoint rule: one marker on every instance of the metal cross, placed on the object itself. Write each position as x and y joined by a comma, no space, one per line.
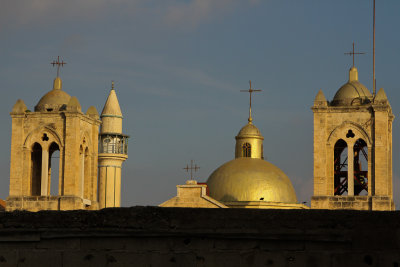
192,168
58,63
354,53
250,91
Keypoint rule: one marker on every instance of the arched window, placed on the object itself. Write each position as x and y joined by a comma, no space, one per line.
54,173
246,150
82,164
360,167
340,168
36,169
87,171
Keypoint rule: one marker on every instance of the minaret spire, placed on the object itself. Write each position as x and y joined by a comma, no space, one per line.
250,91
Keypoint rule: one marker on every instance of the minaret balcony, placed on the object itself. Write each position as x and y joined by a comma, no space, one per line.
113,143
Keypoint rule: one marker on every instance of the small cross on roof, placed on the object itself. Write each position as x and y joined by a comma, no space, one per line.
354,53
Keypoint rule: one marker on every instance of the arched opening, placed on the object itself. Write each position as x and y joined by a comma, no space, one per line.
82,165
340,168
246,150
36,169
360,167
107,147
87,181
54,169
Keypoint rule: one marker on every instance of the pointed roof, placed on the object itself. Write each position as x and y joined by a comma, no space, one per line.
381,95
73,104
19,107
111,107
381,98
320,99
92,111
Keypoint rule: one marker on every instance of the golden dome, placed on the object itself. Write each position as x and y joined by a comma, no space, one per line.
249,130
353,92
250,179
55,99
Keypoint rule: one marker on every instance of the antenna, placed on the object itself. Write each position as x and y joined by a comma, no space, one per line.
373,57
192,168
59,64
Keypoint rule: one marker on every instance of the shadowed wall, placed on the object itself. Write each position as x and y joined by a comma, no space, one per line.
152,236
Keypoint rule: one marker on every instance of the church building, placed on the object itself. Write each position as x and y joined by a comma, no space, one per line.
247,181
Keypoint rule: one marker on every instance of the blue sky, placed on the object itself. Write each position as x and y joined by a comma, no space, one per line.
179,66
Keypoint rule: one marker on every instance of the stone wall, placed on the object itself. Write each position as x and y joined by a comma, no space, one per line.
353,202
152,236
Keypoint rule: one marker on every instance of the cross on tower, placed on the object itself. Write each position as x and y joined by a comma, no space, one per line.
58,63
192,168
354,53
250,91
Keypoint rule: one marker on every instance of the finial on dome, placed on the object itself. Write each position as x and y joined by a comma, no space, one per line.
250,91
112,85
57,85
353,74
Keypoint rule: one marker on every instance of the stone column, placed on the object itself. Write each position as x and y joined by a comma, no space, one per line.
350,170
45,173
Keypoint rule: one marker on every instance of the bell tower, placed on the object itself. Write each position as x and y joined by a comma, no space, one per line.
353,149
56,133
113,151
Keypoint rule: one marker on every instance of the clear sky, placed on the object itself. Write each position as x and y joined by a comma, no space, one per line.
179,66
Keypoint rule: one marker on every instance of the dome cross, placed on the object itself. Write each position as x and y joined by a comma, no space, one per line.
250,91
192,168
59,64
354,53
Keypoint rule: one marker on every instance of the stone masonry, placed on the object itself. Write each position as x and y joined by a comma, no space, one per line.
152,236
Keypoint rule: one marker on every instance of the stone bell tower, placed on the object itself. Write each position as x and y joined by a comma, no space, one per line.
56,126
353,149
113,151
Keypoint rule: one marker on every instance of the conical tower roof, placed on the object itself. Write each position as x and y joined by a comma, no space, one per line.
112,108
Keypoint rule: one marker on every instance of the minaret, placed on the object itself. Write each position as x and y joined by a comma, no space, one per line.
113,151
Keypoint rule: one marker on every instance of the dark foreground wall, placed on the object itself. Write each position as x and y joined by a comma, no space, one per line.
152,236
